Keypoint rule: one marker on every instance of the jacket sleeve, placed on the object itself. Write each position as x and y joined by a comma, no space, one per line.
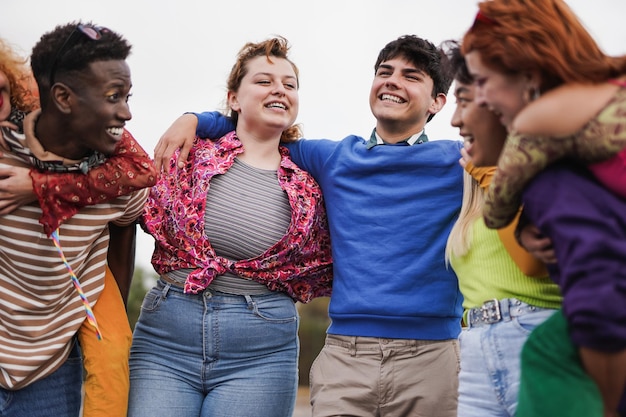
213,125
61,195
587,226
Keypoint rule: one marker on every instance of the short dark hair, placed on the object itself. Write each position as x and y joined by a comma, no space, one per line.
425,56
457,62
75,56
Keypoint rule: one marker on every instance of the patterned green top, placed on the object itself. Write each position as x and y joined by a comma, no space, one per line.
523,157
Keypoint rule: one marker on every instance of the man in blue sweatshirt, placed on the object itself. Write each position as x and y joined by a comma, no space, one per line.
391,348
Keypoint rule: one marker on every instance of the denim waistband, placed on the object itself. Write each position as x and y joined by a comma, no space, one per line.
494,311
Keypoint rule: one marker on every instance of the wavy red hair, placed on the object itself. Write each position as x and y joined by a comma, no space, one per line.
514,36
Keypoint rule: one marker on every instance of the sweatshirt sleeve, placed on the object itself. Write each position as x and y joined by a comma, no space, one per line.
213,125
61,195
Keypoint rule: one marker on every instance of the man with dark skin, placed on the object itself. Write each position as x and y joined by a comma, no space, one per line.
84,84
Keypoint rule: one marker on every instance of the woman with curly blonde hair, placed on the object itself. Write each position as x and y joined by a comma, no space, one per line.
17,85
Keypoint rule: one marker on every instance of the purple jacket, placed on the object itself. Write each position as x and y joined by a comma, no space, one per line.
587,225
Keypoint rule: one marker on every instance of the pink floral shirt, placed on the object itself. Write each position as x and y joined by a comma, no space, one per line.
299,264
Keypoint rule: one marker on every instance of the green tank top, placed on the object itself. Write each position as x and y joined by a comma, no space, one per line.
487,271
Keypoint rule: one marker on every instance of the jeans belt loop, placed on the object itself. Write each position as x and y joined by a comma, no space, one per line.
353,345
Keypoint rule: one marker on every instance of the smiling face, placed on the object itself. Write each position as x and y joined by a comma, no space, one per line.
505,95
401,99
99,108
267,100
482,132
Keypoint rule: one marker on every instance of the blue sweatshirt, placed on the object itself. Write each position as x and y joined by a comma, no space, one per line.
390,210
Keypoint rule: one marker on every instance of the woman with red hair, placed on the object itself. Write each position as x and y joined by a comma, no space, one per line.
561,97
541,45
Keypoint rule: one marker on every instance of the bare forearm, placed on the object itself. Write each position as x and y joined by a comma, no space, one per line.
608,370
121,256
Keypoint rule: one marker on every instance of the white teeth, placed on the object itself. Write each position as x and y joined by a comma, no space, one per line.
277,105
115,131
389,97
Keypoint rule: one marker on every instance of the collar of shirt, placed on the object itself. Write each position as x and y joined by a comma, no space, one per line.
26,146
417,138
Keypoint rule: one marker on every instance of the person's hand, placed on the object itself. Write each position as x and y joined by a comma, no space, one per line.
531,238
465,158
16,188
6,123
180,134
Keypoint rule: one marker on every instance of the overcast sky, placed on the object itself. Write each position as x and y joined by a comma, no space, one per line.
183,51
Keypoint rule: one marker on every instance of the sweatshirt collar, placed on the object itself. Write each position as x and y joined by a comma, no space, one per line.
417,138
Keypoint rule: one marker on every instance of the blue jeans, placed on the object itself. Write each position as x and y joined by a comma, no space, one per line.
490,362
214,354
57,395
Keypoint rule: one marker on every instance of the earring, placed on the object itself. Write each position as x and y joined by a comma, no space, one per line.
531,94
535,93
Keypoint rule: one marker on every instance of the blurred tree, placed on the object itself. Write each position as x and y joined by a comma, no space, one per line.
313,324
142,281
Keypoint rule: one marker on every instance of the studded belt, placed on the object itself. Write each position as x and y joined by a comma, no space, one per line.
494,311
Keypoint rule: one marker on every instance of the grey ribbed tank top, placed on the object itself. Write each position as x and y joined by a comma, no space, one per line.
246,213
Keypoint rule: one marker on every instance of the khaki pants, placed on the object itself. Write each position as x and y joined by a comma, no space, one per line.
368,376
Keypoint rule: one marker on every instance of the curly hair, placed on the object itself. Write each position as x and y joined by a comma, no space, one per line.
514,36
66,50
425,56
277,47
23,95
457,62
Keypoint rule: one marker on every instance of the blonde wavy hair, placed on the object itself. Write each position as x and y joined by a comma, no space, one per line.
460,236
24,94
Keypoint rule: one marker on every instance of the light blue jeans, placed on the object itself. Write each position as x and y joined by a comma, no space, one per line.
57,395
214,354
490,363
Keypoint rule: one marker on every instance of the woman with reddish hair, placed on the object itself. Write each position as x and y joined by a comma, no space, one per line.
541,46
241,235
562,100
17,85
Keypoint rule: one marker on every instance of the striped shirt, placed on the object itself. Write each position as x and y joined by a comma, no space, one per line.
40,310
